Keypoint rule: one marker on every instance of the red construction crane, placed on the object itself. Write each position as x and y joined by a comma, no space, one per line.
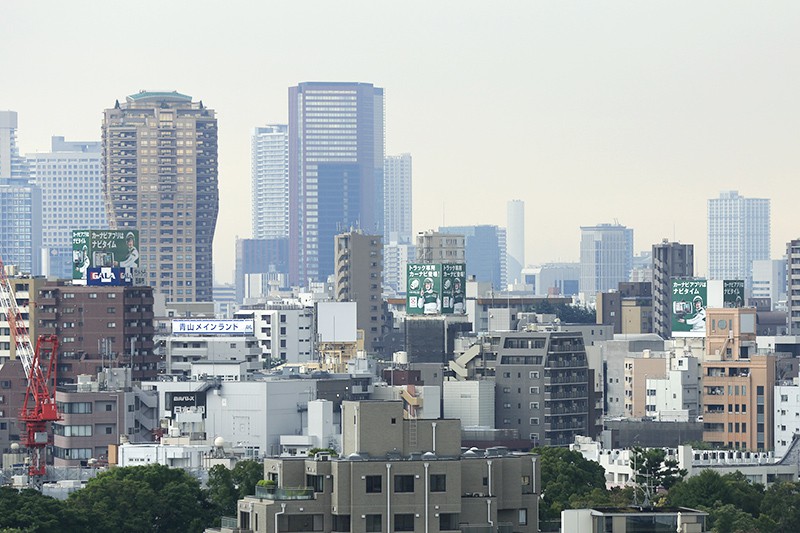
39,407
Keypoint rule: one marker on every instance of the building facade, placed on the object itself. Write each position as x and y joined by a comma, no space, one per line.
397,198
160,177
284,332
606,257
261,265
484,252
769,281
270,181
670,260
515,249
70,178
438,247
336,156
738,234
11,164
359,278
99,327
793,285
543,387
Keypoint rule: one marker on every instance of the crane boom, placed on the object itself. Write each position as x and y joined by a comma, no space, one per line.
39,407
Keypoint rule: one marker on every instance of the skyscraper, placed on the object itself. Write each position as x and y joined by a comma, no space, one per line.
484,252
515,226
606,257
397,199
670,260
20,204
70,178
270,174
738,234
336,152
160,176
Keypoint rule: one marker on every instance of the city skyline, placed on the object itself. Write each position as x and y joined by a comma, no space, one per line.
575,107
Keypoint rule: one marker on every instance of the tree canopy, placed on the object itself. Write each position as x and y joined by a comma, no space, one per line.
566,474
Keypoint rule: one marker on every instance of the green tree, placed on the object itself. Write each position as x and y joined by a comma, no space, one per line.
221,491
575,314
29,511
142,498
709,489
616,497
780,508
729,519
245,475
566,474
654,470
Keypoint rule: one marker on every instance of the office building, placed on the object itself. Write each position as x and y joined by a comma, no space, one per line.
261,265
515,226
397,198
285,332
336,155
606,257
738,234
670,260
270,175
629,309
160,177
437,247
484,252
557,279
396,257
395,475
21,225
70,178
359,275
11,164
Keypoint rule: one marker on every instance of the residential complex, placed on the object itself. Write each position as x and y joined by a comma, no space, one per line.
397,199
160,177
270,181
738,234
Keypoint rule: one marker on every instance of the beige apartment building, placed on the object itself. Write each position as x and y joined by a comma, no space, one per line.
652,365
395,475
738,383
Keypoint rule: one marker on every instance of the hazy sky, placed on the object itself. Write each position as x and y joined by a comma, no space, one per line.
589,112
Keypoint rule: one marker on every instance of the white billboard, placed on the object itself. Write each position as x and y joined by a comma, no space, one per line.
336,321
212,327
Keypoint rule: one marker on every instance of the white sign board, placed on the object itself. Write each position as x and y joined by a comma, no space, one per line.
336,321
212,327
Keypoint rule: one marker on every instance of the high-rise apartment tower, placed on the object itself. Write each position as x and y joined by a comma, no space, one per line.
160,176
270,174
670,260
397,199
515,227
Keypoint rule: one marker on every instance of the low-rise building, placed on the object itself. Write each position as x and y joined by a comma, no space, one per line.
626,519
395,474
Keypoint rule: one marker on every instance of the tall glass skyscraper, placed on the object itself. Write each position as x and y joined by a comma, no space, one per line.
738,234
70,178
336,153
160,176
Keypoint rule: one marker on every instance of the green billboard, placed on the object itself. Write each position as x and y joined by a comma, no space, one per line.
733,293
434,289
689,300
454,282
103,248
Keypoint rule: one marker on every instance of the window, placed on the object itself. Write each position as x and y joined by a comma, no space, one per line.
534,405
533,374
534,390
300,522
448,522
523,517
374,522
315,482
374,484
404,522
111,295
534,421
404,483
341,522
438,483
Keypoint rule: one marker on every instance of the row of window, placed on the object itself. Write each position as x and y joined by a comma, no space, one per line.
405,483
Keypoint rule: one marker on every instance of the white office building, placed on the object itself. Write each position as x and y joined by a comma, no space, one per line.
738,234
515,244
606,258
396,257
675,397
787,414
397,198
11,164
270,175
285,332
770,281
70,178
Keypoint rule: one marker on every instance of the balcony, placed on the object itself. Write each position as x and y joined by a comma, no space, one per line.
284,494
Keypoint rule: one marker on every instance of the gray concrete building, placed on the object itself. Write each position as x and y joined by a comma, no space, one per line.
359,275
670,260
543,386
395,475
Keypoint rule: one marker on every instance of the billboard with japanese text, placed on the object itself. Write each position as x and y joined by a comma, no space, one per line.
433,289
689,301
103,248
212,327
733,293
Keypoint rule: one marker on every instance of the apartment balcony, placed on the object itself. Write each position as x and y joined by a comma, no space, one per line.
285,494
